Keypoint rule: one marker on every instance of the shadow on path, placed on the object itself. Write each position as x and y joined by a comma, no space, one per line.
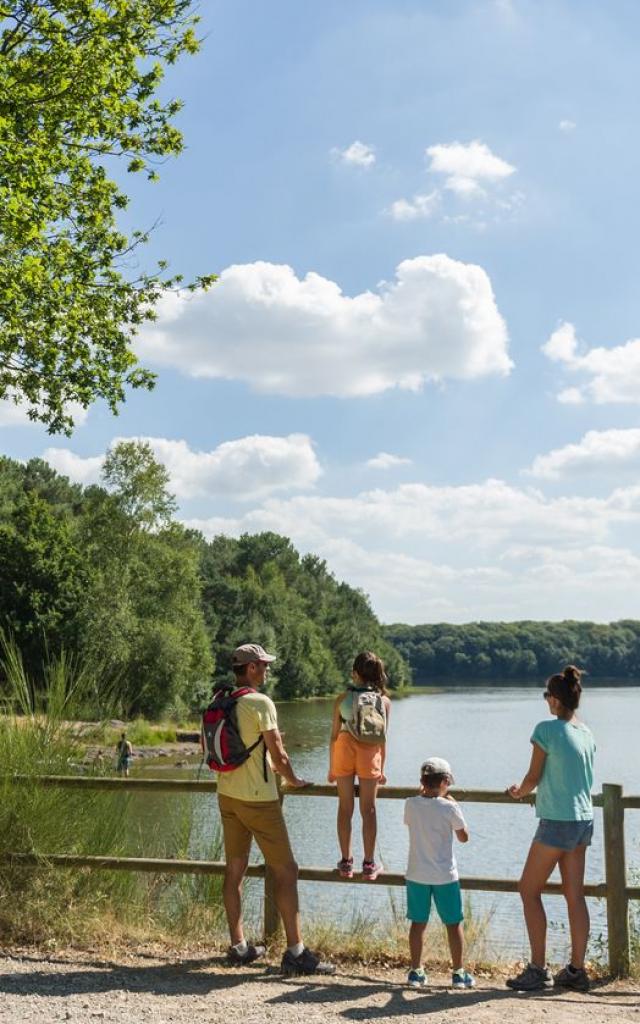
195,977
189,977
404,1002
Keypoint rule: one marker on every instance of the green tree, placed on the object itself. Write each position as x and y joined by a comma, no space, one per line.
139,484
143,618
43,582
78,92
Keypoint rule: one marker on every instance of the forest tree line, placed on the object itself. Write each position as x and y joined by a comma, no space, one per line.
152,610
517,651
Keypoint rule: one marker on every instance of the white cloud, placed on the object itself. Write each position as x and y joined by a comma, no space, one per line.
384,460
613,373
567,126
595,561
486,551
595,582
249,468
467,167
79,469
561,347
469,172
599,450
481,516
421,206
570,396
358,154
303,337
14,414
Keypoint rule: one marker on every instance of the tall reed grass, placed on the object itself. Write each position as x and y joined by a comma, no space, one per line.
37,737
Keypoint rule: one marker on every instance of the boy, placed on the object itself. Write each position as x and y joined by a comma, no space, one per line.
433,817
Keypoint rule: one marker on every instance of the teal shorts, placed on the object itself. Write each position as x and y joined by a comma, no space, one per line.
447,898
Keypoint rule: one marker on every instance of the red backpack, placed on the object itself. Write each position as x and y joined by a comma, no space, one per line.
223,746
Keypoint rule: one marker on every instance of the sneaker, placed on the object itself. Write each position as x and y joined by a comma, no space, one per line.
462,979
345,867
250,954
370,870
416,978
572,977
306,963
531,979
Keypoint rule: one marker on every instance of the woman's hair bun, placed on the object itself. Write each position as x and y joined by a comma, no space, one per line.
572,674
566,687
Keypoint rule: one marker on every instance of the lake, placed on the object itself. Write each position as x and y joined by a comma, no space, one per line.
484,733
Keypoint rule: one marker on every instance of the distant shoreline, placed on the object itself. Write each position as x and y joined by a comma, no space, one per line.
451,682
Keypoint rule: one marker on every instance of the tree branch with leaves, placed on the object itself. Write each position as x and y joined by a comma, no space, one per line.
78,91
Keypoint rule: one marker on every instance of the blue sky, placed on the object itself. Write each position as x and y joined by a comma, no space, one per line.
424,216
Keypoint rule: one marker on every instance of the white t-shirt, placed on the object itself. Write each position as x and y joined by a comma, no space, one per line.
432,822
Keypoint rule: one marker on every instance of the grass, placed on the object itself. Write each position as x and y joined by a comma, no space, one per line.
140,732
45,904
34,904
383,941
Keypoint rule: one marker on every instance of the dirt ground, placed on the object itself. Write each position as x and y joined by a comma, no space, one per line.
148,989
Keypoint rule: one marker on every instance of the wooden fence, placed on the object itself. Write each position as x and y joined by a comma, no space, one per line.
614,888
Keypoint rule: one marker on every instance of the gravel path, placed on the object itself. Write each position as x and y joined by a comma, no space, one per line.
141,989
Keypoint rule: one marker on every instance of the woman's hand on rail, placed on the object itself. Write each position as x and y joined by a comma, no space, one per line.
514,792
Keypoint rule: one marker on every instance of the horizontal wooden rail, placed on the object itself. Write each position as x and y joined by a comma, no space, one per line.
99,782
114,784
163,866
213,867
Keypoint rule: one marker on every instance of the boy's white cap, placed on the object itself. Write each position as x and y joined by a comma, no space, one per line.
437,766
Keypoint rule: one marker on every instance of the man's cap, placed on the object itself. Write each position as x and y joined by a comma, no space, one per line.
247,653
436,766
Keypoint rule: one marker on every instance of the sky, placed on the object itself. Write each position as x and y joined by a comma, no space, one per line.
421,360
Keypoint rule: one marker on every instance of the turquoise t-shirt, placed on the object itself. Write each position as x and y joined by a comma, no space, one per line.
564,791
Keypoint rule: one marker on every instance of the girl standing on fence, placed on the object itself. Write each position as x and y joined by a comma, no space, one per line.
562,770
357,748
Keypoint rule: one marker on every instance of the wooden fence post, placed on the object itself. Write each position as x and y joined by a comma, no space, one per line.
271,914
616,877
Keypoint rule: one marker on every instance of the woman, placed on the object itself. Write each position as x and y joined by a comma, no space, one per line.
357,748
562,770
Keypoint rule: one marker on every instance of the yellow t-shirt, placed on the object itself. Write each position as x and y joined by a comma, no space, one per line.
256,713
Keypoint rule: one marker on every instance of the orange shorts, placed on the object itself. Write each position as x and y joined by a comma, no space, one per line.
348,757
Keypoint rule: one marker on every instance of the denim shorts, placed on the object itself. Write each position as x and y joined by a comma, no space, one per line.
564,835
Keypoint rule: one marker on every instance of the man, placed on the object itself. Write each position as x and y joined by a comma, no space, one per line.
124,752
250,808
